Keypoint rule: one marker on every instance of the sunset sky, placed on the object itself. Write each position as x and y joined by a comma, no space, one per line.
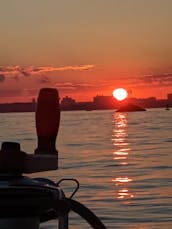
85,48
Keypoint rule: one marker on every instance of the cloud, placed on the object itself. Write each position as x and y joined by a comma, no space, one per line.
74,86
2,78
44,80
164,79
66,86
141,81
31,91
9,71
65,68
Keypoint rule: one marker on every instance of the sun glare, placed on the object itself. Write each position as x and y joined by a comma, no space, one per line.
120,94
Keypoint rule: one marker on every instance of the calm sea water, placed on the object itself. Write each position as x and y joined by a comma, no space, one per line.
123,162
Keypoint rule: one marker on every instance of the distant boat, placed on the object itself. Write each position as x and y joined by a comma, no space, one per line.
130,107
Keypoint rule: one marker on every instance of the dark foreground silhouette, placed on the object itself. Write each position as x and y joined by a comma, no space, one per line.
27,202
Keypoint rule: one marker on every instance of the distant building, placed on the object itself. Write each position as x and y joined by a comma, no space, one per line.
67,103
145,102
104,102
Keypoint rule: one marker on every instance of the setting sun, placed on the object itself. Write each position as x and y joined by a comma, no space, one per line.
120,94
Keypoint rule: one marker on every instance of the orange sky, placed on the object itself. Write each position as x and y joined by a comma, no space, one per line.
85,48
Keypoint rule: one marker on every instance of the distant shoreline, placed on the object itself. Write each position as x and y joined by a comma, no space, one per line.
33,111
98,103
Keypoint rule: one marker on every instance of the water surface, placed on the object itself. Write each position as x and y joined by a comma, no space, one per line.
123,162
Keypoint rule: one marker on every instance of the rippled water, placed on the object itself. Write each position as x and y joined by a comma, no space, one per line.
123,162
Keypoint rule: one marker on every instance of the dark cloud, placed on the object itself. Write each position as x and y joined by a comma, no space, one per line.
74,86
87,87
44,80
25,73
2,78
157,79
66,86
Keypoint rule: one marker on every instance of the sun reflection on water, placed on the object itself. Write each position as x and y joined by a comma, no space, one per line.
121,157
